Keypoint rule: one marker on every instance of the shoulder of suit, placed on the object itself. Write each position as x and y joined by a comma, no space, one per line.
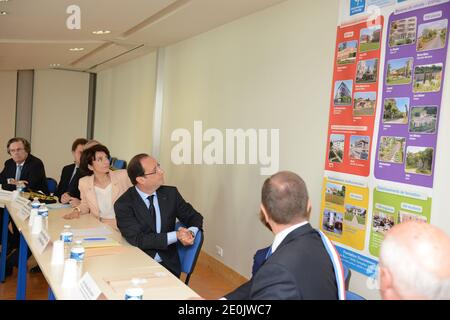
32,158
69,166
86,180
166,188
129,194
118,173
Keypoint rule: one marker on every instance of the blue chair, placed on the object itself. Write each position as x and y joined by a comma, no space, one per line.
188,255
353,296
51,184
119,164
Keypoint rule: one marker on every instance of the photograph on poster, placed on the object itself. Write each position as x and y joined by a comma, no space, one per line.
399,71
359,147
428,78
355,216
332,221
395,110
367,71
343,93
419,160
369,39
392,149
382,222
423,119
337,143
403,32
347,52
364,103
335,193
407,216
432,35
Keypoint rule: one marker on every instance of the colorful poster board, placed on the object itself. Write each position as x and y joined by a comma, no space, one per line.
392,206
412,95
397,79
354,97
344,210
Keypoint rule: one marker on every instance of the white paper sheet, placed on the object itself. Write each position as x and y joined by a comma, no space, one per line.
92,232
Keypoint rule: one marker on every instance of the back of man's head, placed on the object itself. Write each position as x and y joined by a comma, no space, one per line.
285,198
415,262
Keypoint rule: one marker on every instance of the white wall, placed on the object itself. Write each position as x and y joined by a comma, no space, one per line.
270,70
8,90
60,106
124,107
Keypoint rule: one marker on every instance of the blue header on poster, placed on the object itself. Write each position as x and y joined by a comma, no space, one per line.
357,6
357,262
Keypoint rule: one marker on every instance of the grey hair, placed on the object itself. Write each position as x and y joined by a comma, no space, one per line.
407,273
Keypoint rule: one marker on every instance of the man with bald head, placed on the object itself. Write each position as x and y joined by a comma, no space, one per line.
415,263
297,264
146,214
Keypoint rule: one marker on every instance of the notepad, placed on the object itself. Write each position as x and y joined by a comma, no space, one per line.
97,242
54,206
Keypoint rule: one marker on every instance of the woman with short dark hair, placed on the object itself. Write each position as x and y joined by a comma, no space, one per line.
101,187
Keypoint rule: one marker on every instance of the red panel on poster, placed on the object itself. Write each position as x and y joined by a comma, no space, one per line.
354,97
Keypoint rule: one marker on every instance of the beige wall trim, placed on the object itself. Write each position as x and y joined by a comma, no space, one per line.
222,270
24,104
91,105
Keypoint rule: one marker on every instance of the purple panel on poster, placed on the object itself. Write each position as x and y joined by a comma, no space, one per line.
412,93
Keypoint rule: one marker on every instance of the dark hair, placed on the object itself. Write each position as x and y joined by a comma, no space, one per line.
88,156
77,142
285,197
25,142
135,168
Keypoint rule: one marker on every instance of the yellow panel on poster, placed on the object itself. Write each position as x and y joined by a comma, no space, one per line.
344,213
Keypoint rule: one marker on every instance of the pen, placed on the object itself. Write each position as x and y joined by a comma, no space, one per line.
94,239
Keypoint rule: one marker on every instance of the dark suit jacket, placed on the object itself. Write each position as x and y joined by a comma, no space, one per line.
138,227
33,171
300,268
64,185
258,259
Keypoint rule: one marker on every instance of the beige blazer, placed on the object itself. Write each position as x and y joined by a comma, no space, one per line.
120,184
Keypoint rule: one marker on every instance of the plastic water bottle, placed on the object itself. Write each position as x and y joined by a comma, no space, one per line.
20,187
67,237
77,253
135,292
34,210
43,212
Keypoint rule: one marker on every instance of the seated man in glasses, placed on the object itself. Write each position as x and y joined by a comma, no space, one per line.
146,214
22,169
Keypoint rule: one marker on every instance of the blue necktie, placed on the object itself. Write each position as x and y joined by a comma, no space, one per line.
269,252
18,172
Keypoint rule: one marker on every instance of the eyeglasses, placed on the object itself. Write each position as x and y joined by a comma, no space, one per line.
158,167
16,150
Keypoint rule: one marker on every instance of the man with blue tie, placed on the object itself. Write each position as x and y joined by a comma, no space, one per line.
297,265
25,169
146,214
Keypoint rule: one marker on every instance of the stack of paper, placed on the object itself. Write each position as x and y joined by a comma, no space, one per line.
96,242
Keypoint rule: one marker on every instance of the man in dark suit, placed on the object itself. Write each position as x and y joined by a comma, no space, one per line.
146,214
67,190
23,168
297,265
